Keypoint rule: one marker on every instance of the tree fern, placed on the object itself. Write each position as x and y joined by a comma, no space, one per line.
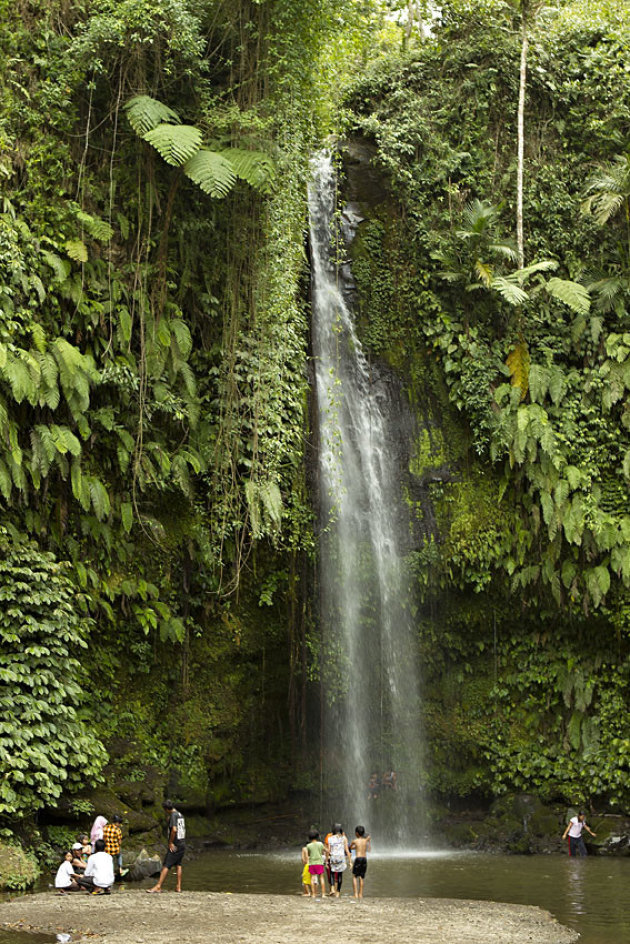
212,172
509,290
254,167
574,295
146,113
175,143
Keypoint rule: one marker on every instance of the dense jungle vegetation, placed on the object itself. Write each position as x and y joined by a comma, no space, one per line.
158,538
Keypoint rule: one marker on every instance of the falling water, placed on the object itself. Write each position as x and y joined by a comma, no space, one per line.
368,654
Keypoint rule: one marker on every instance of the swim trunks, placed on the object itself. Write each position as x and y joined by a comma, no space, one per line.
360,867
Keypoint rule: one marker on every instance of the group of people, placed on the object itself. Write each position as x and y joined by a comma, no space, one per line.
330,859
387,782
94,861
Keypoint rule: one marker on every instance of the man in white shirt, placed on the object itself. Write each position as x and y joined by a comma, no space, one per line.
574,831
99,871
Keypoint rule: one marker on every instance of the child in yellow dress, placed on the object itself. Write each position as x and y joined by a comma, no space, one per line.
306,875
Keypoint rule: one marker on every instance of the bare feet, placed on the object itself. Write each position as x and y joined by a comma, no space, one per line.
153,891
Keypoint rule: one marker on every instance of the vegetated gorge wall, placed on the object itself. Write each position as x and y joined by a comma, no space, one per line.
492,661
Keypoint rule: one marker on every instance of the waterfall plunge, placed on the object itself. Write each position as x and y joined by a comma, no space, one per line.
368,659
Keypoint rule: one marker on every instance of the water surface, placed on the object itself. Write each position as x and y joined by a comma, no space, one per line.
589,895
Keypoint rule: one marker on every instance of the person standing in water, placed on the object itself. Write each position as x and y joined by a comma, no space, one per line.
574,831
316,854
362,845
176,847
338,858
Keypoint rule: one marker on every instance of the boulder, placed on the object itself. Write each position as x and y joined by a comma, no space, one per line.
144,866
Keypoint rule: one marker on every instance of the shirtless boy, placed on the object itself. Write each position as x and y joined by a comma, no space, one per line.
361,845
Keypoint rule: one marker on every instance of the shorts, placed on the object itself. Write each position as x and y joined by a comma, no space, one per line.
306,876
316,869
360,867
173,858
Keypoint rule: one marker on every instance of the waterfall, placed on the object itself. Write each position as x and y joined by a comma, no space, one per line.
368,661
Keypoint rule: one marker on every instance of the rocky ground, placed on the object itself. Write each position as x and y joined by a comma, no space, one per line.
133,917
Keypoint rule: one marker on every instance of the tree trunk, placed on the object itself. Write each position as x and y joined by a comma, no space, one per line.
520,243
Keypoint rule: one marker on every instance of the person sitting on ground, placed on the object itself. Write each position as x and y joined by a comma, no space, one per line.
112,836
98,877
574,831
65,879
77,857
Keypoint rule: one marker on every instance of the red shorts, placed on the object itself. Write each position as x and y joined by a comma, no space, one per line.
316,869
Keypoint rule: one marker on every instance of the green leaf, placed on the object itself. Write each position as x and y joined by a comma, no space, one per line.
145,113
212,172
175,143
574,295
77,250
126,514
254,167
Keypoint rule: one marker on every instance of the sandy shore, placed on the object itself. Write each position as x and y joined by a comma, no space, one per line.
133,917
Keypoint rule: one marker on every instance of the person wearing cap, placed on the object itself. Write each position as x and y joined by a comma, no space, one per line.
112,836
77,860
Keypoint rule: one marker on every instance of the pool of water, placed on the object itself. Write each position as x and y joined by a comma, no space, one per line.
590,895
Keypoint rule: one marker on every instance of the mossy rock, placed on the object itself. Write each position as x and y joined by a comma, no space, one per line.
18,869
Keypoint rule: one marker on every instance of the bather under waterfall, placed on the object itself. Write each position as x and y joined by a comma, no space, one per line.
368,658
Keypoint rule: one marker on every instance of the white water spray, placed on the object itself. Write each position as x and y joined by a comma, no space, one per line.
369,655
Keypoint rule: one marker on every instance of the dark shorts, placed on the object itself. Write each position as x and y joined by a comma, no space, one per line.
173,858
360,867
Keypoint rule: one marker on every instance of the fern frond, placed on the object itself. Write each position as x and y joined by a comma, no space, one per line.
212,172
271,499
518,362
181,334
511,292
98,229
574,295
545,265
99,497
254,167
175,143
146,113
61,267
77,250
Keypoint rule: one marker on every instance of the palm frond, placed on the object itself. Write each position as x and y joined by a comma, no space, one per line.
146,113
175,143
212,172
